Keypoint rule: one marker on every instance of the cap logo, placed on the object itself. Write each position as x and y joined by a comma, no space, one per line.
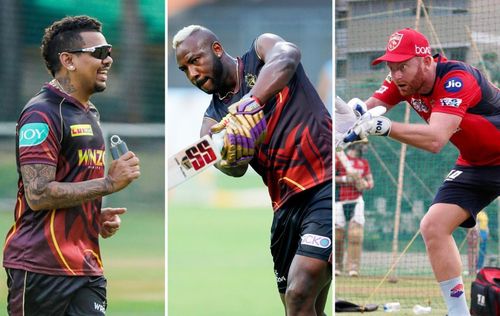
422,50
394,41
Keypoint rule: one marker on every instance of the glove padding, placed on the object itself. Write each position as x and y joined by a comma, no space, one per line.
249,113
245,127
346,116
368,125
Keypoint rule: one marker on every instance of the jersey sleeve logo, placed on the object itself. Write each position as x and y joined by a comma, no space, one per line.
453,84
33,134
81,130
453,102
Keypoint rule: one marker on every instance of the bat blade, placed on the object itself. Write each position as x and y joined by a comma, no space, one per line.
192,160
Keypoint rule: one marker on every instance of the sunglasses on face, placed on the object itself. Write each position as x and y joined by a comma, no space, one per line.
100,52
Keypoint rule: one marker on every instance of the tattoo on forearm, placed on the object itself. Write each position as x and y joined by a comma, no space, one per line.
43,192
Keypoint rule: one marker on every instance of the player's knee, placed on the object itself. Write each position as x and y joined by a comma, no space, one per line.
298,298
429,229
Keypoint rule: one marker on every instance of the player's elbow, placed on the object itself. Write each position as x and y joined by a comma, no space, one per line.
436,146
34,204
289,56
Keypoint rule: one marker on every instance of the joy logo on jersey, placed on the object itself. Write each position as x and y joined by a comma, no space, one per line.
453,84
200,155
33,134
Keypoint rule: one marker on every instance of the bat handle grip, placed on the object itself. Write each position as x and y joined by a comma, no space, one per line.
218,139
118,147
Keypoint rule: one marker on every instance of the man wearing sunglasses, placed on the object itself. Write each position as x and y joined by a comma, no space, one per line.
52,255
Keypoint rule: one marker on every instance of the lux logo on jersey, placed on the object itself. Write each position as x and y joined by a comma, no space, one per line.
81,130
90,157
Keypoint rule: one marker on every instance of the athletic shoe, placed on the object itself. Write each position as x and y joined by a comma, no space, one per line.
353,273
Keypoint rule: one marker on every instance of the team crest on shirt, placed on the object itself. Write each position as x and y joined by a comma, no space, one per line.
81,130
419,105
453,102
250,80
394,41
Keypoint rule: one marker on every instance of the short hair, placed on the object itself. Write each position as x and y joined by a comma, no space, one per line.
187,31
64,35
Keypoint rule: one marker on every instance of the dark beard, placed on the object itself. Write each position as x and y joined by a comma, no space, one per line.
217,71
99,88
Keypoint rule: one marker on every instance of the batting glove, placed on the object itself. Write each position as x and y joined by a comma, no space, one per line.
346,116
238,147
245,127
368,125
249,113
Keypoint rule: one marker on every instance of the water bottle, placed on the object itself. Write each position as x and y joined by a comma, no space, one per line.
392,307
420,310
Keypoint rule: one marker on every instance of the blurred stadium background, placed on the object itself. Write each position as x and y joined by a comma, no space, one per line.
462,30
132,107
219,261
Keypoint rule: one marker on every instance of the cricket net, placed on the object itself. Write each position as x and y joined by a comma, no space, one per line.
394,264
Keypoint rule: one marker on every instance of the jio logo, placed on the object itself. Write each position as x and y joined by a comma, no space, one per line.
453,84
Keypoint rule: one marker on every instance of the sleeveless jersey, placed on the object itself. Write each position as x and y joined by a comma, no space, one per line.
57,130
459,89
348,191
297,152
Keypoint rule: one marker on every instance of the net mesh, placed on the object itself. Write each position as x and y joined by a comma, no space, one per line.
394,264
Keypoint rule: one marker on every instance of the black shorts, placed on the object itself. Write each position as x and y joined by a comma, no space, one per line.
303,226
471,188
33,294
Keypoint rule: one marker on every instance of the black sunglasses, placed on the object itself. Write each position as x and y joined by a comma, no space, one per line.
100,52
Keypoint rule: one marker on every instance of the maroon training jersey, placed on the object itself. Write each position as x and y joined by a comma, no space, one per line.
55,129
348,192
297,152
459,89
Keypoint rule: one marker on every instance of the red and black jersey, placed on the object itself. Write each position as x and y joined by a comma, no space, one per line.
297,152
348,192
57,130
462,90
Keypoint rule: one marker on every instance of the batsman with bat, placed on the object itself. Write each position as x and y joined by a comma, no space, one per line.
459,105
274,121
353,177
52,255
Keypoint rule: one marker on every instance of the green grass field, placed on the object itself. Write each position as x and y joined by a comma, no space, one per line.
219,262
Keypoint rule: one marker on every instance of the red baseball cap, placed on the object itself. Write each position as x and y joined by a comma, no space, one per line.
403,45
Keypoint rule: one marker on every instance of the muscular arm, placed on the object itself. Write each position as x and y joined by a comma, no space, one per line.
236,171
43,192
431,137
281,59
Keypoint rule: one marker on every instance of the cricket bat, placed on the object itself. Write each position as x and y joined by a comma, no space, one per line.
194,159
